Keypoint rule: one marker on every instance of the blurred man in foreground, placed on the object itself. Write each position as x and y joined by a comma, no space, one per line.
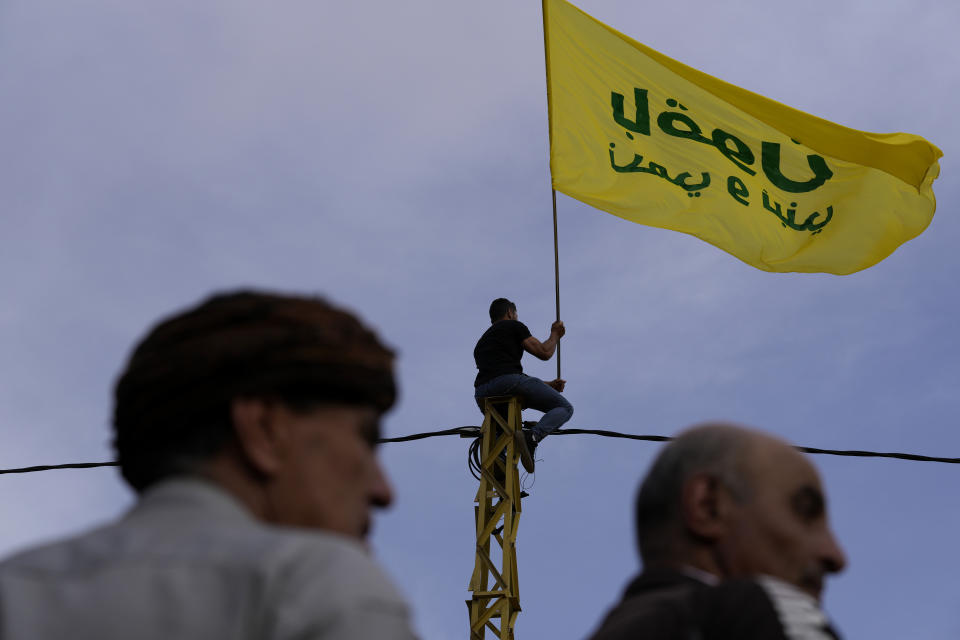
248,427
733,533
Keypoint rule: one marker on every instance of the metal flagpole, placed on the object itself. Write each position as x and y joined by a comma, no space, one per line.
556,269
556,250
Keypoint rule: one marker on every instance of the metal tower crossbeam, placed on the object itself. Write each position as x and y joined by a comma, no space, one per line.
495,585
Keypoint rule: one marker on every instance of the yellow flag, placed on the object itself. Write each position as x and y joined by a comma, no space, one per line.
651,140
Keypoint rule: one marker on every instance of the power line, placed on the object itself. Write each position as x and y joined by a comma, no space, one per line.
473,432
465,432
853,453
50,467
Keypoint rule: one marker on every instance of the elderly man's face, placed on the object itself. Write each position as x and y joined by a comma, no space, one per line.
782,529
329,477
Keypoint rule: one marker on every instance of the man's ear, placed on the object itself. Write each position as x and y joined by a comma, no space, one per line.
704,504
260,433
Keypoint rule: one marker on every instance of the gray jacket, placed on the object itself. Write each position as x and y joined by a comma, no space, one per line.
189,562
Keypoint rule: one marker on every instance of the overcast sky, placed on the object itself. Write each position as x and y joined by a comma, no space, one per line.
394,156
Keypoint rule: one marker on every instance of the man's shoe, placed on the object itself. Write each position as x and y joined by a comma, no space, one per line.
531,442
526,445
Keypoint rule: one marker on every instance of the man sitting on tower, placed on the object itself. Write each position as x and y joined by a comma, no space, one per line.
498,354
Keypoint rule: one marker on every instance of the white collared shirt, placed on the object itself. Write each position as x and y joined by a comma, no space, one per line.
188,562
799,612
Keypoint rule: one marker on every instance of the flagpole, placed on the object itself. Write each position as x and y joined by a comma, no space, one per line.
553,192
556,269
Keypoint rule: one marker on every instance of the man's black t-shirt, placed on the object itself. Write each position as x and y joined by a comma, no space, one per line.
499,350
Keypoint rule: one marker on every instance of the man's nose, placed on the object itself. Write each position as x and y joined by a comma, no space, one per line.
381,493
831,554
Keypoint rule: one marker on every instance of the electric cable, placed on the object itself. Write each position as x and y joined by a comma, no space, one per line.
473,451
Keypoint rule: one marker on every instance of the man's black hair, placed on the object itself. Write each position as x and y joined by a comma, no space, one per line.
499,308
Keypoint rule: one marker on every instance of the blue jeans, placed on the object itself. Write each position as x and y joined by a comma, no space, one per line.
536,394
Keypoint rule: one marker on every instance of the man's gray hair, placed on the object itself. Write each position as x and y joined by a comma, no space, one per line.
716,449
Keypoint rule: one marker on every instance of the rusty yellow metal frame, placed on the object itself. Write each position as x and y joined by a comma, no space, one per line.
495,585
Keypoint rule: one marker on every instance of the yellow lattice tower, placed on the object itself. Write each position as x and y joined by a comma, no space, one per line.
495,586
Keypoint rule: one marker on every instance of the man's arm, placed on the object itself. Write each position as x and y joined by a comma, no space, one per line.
544,350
